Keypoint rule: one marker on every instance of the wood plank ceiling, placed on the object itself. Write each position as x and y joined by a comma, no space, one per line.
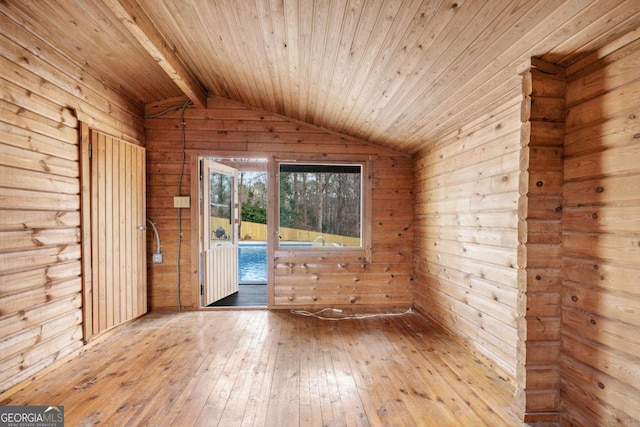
400,73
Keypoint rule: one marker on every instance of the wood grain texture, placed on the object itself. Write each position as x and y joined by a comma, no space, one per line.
542,179
275,368
397,73
600,235
432,78
115,243
382,279
466,219
134,19
40,226
87,29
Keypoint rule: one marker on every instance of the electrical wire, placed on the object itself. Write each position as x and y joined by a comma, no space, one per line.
182,109
184,157
163,112
155,231
318,314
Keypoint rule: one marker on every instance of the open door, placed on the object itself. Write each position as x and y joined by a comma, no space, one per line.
220,231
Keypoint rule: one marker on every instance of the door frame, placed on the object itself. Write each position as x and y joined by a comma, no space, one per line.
85,232
194,157
87,238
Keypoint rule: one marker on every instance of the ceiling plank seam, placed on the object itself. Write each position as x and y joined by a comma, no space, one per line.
135,19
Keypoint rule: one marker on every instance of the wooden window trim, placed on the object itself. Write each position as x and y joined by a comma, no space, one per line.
364,251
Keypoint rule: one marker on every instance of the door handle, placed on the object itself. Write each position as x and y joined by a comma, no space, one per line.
142,227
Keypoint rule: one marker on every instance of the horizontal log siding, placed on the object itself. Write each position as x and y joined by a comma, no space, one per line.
466,222
42,94
600,366
335,281
539,238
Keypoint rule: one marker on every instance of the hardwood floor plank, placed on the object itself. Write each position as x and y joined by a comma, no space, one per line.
462,372
224,399
261,391
283,407
112,388
369,359
324,389
234,411
440,379
410,382
274,368
345,382
310,401
369,410
224,342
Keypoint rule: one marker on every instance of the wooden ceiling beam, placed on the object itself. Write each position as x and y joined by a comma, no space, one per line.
136,20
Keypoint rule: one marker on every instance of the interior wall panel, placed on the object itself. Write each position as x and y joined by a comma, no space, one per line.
466,228
41,283
385,280
600,366
539,241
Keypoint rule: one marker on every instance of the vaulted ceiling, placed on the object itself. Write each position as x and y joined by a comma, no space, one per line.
400,73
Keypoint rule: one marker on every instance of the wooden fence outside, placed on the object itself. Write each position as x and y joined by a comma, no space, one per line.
258,232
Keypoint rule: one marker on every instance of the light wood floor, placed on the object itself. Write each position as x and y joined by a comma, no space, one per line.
258,368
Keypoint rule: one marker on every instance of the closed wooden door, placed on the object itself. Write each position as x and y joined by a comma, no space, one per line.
118,282
220,231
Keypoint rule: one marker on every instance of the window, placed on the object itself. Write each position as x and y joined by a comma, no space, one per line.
321,205
220,208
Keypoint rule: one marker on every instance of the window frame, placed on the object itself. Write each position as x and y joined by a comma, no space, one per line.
364,250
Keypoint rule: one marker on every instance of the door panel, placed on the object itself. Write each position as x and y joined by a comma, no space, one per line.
118,240
220,236
222,273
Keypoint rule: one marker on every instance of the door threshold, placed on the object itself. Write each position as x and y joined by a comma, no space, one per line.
234,308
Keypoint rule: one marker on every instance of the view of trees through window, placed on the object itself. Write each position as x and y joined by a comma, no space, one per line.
220,201
253,196
322,199
317,202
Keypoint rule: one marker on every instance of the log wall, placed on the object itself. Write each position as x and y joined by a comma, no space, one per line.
42,96
539,241
600,360
569,338
466,223
326,280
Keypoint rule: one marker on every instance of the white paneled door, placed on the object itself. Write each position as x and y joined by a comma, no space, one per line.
220,213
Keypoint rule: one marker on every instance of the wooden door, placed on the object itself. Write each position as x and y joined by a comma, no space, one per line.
116,251
220,231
